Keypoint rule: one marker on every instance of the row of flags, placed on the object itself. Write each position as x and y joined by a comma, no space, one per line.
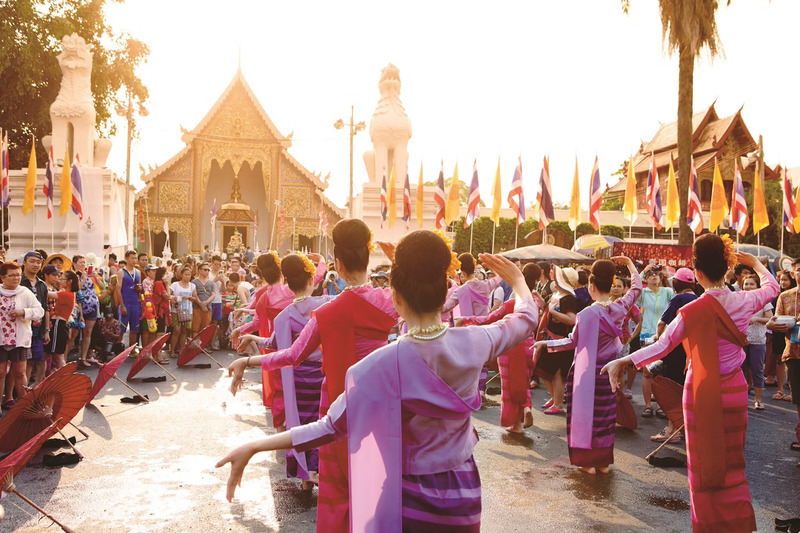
70,185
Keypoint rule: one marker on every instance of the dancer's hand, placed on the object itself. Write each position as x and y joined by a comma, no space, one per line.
538,345
504,268
614,370
236,371
315,258
750,261
238,458
245,341
624,260
233,338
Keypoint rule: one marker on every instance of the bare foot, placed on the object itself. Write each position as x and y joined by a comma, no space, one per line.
604,470
306,485
528,417
516,428
588,469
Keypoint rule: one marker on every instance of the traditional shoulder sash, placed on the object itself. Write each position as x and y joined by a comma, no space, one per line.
467,296
705,322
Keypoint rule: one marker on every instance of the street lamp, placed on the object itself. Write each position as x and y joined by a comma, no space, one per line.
354,129
127,112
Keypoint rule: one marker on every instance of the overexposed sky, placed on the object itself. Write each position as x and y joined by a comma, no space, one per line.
480,79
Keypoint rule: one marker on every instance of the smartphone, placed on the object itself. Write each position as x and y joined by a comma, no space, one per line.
90,270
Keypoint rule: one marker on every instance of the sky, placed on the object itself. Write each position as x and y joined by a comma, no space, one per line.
572,79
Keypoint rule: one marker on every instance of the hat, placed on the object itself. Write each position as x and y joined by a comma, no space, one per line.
567,279
32,254
379,274
150,267
685,275
67,263
50,269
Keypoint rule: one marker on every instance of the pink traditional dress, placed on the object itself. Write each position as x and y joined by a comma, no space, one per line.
406,414
591,405
712,329
347,329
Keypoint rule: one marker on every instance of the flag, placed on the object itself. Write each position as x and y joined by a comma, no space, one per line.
789,209
77,188
453,199
516,196
719,203
544,197
166,233
760,217
390,199
474,201
673,203
739,217
255,223
654,194
575,200
214,212
497,198
48,183
419,206
141,222
407,201
384,207
438,197
595,197
4,193
630,207
66,187
796,210
30,183
694,213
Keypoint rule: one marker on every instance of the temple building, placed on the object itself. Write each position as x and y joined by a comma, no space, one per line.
236,169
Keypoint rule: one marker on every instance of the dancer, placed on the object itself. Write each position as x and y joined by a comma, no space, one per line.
407,406
591,402
348,328
631,327
715,393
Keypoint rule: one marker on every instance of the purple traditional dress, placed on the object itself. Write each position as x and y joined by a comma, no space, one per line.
406,413
591,405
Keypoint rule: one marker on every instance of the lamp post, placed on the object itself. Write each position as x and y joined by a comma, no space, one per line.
127,112
354,129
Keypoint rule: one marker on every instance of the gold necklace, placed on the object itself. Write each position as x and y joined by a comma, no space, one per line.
428,333
716,287
301,298
351,287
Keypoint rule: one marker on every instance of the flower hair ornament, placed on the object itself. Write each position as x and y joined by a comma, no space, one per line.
371,243
308,266
614,280
455,264
274,255
730,251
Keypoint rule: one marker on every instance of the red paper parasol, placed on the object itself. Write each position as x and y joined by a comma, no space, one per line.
626,416
197,345
14,463
669,395
108,371
146,355
66,370
54,399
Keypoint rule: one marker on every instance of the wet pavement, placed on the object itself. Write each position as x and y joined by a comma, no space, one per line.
149,468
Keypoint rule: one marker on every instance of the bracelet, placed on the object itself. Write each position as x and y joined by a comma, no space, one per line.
248,361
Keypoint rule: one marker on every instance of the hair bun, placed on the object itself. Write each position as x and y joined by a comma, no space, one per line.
351,233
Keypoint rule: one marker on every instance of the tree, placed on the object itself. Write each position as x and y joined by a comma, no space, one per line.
687,28
463,189
30,39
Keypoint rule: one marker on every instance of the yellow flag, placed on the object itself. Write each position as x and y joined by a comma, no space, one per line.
420,198
30,183
673,205
453,199
630,207
575,200
760,217
719,204
390,199
66,187
497,199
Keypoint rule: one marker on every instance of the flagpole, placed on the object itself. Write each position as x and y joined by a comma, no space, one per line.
52,236
516,234
34,226
274,222
471,231
494,230
149,231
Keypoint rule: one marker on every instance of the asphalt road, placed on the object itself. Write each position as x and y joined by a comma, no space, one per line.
149,468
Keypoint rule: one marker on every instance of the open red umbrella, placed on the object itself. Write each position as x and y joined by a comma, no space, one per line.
66,370
626,416
108,371
669,397
55,399
197,345
14,463
146,355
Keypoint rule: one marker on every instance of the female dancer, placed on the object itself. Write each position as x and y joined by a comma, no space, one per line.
348,328
407,407
591,402
715,393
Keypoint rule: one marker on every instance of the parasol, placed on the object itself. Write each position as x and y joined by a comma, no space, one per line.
590,244
53,399
14,463
146,355
626,416
669,396
197,345
66,370
108,371
545,252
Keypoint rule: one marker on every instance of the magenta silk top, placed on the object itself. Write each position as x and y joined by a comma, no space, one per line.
432,445
740,305
482,288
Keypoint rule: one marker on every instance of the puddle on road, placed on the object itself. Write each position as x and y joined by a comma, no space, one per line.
669,503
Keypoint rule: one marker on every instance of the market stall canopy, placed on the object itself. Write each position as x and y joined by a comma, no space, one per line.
590,244
545,252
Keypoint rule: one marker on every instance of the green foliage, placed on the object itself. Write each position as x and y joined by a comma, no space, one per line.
463,189
613,230
30,40
482,235
612,203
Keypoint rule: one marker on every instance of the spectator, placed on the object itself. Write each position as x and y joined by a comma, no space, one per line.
581,292
653,302
184,293
249,255
201,314
756,348
129,281
111,332
40,329
774,369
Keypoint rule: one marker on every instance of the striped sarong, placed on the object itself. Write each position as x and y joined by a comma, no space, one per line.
601,454
307,384
447,502
728,507
514,382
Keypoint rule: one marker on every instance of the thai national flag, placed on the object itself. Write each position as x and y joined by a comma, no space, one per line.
654,194
407,202
516,196
48,183
439,198
6,199
384,204
595,197
77,189
214,212
545,197
694,214
740,220
789,210
474,202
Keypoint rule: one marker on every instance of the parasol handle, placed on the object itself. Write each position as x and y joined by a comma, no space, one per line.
131,388
492,378
82,432
74,449
209,356
664,443
13,490
164,369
